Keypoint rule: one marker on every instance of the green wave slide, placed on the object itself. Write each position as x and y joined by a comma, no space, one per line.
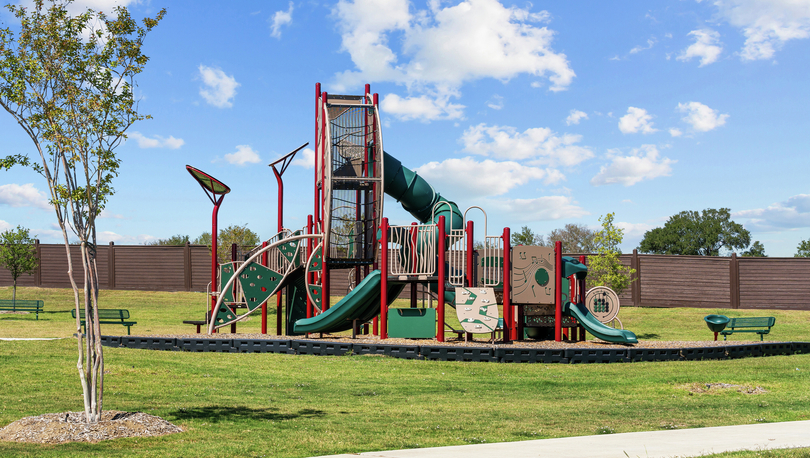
595,327
418,198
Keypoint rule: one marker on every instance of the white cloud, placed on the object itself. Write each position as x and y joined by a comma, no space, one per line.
701,117
305,158
539,145
638,49
766,24
279,19
636,120
107,214
486,178
4,226
15,195
705,47
219,88
546,208
496,102
575,116
634,230
792,213
438,49
105,237
675,132
642,164
424,108
156,142
244,155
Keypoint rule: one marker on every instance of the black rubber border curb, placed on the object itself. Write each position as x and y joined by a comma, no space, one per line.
459,353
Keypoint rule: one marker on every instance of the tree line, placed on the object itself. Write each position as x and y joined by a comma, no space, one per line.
710,232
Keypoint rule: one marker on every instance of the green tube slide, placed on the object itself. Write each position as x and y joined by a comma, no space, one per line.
595,327
417,197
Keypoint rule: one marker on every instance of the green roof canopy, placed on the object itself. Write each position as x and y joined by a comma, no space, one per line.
208,182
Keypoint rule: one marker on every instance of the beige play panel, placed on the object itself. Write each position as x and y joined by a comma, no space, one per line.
477,309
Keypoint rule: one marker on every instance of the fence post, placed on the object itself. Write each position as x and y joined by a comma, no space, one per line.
734,281
635,289
38,272
187,265
111,266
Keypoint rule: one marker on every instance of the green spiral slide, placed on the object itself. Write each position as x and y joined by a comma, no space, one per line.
417,197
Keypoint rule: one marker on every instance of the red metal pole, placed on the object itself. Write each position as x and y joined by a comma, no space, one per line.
384,280
440,305
214,263
318,145
509,331
264,304
558,291
582,287
310,249
280,228
470,280
234,248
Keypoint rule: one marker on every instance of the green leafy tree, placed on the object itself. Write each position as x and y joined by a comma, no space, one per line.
174,240
68,82
757,250
576,238
803,250
18,255
202,239
697,233
606,269
240,235
526,237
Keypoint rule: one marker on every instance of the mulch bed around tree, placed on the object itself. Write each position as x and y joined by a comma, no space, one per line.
58,428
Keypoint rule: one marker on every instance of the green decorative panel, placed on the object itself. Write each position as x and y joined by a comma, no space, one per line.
315,295
225,274
258,283
316,263
224,315
288,249
412,323
548,321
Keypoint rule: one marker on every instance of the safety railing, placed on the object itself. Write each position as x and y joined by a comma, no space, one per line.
412,249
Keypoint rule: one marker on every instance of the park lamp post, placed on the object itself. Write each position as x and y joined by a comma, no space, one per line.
282,162
215,190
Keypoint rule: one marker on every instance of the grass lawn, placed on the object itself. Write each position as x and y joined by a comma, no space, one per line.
298,406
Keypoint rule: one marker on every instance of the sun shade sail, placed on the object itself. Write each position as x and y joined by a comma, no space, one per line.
208,182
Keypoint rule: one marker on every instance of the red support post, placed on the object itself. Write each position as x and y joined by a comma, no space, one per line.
509,331
214,263
310,250
384,280
469,256
440,305
558,288
234,248
582,292
264,304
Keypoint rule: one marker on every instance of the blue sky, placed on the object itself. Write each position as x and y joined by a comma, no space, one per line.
542,113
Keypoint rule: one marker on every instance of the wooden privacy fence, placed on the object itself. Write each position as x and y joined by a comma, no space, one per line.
661,280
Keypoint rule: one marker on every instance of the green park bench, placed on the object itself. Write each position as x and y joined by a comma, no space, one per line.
108,316
20,305
760,325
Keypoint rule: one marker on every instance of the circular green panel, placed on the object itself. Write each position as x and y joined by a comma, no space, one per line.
541,277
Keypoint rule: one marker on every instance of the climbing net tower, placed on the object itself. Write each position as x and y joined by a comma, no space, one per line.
348,179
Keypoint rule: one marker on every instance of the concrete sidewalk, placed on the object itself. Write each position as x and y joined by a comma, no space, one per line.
649,444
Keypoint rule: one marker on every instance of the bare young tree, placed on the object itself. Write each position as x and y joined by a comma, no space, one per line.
68,81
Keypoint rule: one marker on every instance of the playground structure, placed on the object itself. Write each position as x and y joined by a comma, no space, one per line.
538,289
